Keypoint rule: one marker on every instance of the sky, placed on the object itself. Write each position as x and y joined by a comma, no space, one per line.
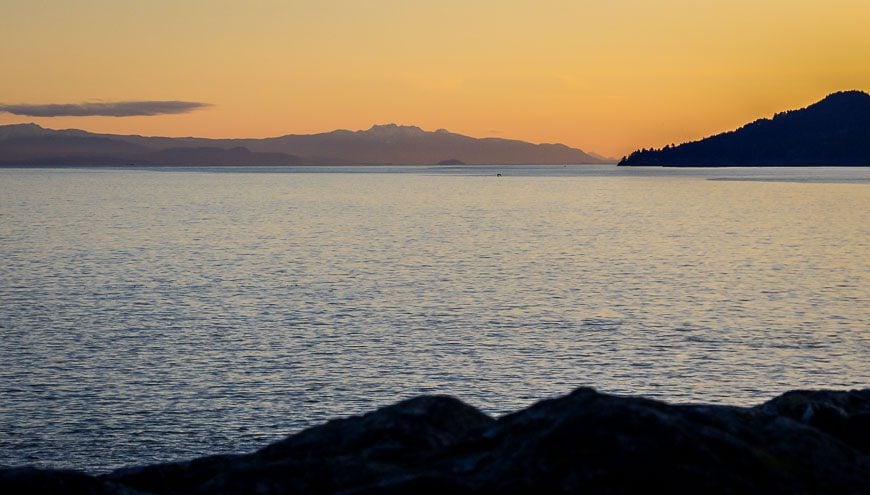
605,76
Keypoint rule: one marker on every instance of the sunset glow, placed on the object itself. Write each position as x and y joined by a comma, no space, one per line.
607,77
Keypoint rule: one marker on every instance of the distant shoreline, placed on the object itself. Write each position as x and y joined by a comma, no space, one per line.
381,144
833,131
415,165
419,165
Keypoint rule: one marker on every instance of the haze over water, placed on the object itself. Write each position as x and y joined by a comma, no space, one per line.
164,314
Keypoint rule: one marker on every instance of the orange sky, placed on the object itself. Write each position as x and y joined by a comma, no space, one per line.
606,76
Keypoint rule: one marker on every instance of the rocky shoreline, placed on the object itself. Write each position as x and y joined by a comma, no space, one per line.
584,442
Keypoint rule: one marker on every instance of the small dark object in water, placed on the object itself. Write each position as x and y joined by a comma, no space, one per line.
498,175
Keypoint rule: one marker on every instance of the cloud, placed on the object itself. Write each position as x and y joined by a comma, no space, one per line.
106,109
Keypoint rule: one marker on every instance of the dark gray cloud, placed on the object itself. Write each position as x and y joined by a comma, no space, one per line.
106,109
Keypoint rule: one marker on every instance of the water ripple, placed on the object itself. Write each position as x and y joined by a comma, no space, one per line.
153,316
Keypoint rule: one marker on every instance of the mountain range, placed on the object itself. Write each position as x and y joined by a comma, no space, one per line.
32,145
834,131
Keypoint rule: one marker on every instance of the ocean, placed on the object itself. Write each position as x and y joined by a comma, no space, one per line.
160,314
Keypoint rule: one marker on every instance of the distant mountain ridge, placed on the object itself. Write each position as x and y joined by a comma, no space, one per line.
834,131
390,144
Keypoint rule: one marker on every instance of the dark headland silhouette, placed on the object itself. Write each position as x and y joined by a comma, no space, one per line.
834,132
802,442
32,145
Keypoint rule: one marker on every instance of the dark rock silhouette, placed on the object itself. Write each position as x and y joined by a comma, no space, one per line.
587,442
30,144
834,131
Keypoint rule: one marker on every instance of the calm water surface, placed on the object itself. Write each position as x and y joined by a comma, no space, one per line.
154,315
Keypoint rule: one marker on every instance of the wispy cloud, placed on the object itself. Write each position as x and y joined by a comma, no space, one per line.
105,109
